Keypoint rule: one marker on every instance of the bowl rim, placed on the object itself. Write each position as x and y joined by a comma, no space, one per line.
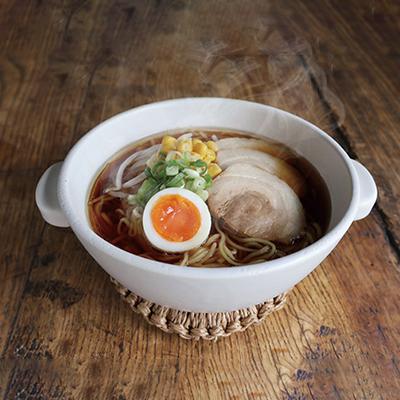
83,230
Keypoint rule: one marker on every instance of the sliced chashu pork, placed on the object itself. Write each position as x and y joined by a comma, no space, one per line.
265,145
266,162
249,201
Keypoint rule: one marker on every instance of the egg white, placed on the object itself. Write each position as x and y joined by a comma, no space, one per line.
177,247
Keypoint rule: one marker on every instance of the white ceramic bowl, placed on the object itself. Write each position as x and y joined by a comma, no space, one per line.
62,193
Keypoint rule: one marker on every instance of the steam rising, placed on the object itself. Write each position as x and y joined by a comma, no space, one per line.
275,72
252,61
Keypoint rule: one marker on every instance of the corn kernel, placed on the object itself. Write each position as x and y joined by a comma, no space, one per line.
200,148
184,145
196,141
209,156
214,170
168,143
212,145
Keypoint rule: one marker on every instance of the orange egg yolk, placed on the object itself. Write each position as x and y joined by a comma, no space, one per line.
175,218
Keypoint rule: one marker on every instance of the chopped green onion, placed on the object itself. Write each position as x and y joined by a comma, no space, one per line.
182,164
203,194
172,170
170,163
186,156
148,184
151,193
198,183
176,181
148,188
158,170
172,154
208,181
189,185
198,164
191,173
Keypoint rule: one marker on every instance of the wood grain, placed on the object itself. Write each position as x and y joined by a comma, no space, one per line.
66,66
361,64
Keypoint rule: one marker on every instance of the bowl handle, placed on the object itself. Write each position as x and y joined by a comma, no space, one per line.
47,199
368,191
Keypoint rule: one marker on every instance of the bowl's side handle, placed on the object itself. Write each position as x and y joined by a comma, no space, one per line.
47,199
368,191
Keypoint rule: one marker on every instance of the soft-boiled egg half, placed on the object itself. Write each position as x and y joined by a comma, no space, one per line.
176,220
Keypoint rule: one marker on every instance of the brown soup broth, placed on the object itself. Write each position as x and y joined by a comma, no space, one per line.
104,212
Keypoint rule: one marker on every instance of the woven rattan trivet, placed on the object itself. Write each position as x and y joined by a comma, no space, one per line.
191,325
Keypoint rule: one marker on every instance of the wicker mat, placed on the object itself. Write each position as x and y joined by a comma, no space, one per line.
192,325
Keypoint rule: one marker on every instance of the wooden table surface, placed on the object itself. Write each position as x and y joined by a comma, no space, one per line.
67,65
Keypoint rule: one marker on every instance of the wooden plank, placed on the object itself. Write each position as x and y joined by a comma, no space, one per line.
320,343
34,122
68,66
361,65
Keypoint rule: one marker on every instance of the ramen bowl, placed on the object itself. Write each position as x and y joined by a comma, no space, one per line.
63,190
